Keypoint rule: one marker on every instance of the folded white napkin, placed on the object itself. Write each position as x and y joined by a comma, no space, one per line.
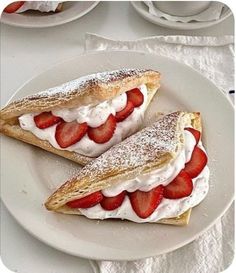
213,57
210,14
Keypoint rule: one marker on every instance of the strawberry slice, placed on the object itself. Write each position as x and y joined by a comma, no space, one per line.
123,114
180,187
13,7
195,133
144,203
104,132
68,133
197,163
111,203
135,96
87,201
45,120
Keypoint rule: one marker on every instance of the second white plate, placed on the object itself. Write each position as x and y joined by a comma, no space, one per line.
29,175
72,10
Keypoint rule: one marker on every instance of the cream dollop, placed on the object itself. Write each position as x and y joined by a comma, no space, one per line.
43,6
94,115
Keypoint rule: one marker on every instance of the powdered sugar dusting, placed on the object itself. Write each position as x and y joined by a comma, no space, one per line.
136,151
80,84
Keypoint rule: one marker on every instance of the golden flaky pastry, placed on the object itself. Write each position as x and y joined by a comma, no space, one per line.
143,152
87,90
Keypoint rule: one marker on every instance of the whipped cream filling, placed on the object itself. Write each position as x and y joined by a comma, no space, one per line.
168,207
94,115
43,6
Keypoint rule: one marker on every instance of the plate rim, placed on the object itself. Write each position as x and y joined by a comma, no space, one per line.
175,247
46,25
184,26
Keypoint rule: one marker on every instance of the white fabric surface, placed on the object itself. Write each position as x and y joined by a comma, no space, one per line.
213,57
213,12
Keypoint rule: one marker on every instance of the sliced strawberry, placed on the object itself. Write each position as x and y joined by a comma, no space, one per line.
144,203
197,163
123,114
180,187
111,203
104,132
135,96
195,133
45,120
87,201
13,6
68,133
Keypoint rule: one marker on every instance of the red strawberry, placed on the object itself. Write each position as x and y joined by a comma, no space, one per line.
45,120
135,96
68,133
195,133
13,6
87,201
123,114
197,163
111,203
180,187
144,203
104,132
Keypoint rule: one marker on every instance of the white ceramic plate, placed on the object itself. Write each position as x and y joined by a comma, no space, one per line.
32,19
29,175
142,9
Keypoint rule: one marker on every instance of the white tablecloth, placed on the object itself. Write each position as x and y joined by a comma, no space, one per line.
213,57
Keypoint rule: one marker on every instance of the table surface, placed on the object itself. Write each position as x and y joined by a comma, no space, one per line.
27,52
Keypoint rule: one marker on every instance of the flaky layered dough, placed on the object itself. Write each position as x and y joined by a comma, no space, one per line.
91,89
147,150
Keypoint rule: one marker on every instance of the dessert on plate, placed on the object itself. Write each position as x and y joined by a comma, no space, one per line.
41,6
83,118
156,175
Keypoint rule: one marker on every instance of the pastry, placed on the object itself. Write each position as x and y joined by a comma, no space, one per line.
41,6
83,118
156,175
